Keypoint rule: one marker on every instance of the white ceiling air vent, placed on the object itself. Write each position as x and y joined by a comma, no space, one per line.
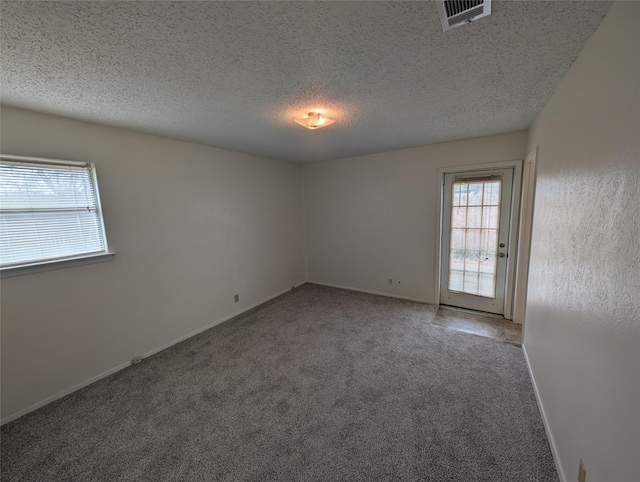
454,13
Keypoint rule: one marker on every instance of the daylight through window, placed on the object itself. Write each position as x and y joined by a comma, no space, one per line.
49,210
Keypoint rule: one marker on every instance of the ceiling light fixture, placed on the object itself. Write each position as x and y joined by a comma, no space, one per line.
314,120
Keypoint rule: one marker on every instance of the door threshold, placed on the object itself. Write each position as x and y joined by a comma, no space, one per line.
473,312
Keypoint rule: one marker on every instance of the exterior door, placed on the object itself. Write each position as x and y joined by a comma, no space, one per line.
475,237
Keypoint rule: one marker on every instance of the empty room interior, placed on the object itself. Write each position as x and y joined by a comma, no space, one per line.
320,241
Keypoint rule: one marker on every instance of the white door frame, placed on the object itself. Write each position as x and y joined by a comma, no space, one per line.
524,236
513,224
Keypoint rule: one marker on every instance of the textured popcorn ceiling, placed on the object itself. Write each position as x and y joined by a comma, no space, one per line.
234,75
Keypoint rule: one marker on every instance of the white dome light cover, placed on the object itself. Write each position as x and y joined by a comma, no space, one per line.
314,120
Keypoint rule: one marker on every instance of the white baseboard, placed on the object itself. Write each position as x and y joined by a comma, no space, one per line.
389,295
117,368
552,443
63,393
211,325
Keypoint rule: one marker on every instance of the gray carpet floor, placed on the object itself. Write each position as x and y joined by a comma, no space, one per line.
319,384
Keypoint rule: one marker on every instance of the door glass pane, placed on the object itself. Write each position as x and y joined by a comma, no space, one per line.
474,237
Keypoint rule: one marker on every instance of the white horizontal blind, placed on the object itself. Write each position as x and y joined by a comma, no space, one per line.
48,211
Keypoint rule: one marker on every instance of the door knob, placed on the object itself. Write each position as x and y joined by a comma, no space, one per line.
502,255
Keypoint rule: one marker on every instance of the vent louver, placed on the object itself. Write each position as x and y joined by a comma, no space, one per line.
454,13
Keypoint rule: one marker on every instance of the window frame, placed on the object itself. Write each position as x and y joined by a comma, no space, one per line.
80,259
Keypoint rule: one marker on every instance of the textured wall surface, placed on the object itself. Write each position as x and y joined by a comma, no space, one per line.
582,326
235,74
371,218
191,226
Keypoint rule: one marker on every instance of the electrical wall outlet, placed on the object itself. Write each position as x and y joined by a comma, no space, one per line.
136,359
582,472
390,281
236,298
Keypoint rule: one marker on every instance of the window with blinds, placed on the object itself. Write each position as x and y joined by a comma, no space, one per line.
49,211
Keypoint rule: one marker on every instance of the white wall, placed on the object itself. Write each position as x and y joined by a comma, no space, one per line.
371,218
582,326
191,225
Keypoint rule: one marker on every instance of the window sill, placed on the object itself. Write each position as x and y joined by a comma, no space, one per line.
11,271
